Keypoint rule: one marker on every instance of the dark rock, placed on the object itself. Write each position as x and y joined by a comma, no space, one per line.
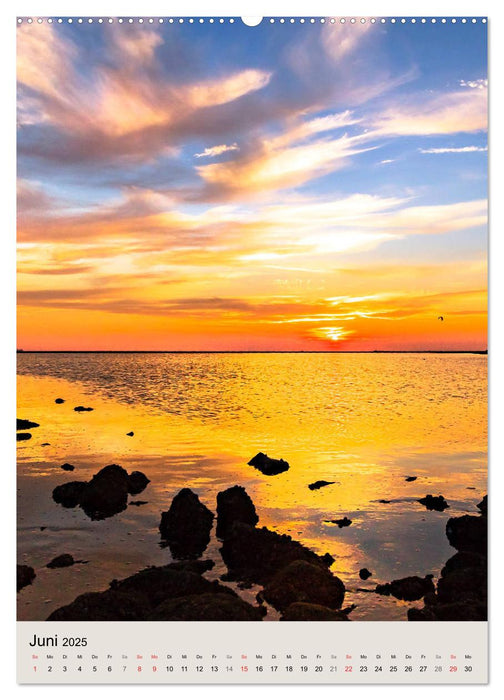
136,597
411,478
137,482
268,466
343,522
449,612
300,612
382,500
409,588
23,436
319,484
208,607
434,502
80,409
198,566
462,585
138,503
69,494
483,506
24,575
243,585
130,434
464,560
468,533
234,505
106,494
364,574
257,554
186,525
61,561
22,424
160,582
303,582
59,400
103,607
67,467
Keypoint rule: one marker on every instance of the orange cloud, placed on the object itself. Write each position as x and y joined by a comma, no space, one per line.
130,97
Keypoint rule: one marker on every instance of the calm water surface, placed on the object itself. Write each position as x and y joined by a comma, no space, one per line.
364,421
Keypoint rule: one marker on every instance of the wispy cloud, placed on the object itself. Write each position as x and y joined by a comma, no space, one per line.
127,106
443,113
479,84
214,151
461,149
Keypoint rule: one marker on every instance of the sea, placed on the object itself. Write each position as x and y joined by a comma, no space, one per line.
364,421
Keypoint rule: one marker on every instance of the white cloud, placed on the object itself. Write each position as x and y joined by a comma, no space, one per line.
463,149
479,84
214,151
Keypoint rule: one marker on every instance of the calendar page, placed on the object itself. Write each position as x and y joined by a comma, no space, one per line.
252,350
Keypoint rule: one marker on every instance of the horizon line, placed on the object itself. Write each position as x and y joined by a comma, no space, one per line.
258,352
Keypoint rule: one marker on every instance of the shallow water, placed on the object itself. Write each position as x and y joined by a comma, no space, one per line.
365,421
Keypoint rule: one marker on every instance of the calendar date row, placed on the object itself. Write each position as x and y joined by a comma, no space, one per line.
289,668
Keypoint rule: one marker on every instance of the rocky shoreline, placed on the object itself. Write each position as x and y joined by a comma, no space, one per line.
294,580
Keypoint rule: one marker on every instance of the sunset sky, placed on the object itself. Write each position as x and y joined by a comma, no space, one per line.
282,187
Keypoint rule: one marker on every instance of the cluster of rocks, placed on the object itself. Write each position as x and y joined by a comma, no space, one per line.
295,580
290,573
104,495
23,425
461,591
175,592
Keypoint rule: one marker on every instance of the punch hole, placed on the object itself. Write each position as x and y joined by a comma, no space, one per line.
251,21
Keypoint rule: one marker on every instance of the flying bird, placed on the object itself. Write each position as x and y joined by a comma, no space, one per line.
440,318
